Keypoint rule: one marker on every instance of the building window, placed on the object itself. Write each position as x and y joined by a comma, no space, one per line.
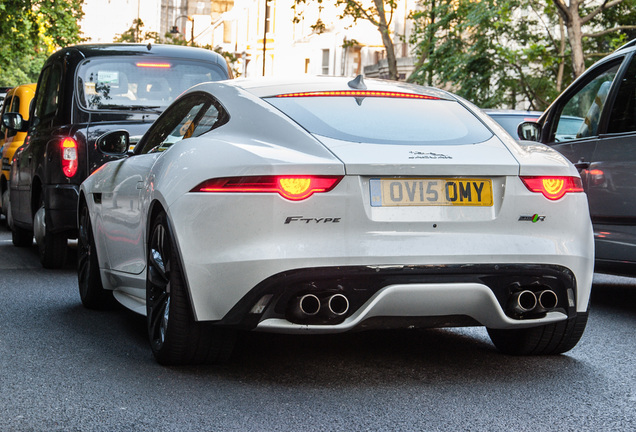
306,65
325,62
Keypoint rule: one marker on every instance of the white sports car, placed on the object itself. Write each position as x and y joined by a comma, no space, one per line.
327,205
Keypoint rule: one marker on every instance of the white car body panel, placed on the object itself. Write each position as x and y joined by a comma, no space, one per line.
229,243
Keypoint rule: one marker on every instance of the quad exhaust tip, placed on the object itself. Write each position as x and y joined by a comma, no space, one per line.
309,304
336,305
528,302
312,306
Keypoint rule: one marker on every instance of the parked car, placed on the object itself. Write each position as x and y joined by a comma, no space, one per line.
83,92
326,205
593,123
510,119
18,100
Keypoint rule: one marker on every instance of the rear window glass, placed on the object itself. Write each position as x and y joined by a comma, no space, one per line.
380,120
134,82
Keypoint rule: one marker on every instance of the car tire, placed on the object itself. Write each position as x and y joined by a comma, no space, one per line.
51,246
5,204
175,337
555,338
89,281
21,237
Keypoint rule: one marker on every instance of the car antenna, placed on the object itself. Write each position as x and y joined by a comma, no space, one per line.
357,83
148,46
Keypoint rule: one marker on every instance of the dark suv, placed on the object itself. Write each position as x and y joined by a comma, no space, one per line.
593,123
84,92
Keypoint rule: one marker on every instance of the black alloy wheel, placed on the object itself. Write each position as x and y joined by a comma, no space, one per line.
175,337
91,290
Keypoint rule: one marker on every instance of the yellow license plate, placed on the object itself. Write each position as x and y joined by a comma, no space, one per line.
391,192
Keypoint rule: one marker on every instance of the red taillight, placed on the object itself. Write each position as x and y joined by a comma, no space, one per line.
69,157
154,65
358,93
596,177
553,188
293,188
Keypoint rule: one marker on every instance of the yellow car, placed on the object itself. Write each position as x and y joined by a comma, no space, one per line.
18,100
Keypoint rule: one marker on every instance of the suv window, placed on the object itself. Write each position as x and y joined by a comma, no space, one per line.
623,116
48,94
382,119
581,115
138,82
190,117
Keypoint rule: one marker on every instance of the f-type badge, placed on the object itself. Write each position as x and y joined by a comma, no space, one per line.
534,218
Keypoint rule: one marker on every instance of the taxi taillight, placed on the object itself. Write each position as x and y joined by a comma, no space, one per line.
68,148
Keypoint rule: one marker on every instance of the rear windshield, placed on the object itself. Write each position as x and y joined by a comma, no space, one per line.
134,82
380,120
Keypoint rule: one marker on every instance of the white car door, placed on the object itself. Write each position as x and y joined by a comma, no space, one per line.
122,220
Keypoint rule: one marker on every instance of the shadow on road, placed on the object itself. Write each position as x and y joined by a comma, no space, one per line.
615,292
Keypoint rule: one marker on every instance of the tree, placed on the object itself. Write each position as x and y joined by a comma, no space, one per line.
575,16
377,12
507,53
135,34
30,30
493,52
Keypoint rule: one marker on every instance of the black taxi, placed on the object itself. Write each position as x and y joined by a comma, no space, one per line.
84,92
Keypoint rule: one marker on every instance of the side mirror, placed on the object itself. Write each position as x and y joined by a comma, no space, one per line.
114,143
15,122
529,131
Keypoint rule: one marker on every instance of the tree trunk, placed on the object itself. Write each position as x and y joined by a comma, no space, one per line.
575,36
386,40
559,81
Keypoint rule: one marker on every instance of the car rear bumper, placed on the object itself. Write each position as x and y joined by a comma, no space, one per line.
405,296
61,203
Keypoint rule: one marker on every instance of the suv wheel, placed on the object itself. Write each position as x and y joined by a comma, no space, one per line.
52,247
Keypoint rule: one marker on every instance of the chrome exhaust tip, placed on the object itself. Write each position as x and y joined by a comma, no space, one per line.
547,300
309,304
523,302
337,304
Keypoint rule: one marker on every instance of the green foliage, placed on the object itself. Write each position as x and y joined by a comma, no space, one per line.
30,30
493,52
136,34
508,53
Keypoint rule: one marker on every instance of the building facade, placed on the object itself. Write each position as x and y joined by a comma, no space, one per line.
271,37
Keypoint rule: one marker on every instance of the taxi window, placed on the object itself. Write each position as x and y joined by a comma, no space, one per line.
137,83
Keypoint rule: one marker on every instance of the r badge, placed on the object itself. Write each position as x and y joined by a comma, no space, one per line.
534,218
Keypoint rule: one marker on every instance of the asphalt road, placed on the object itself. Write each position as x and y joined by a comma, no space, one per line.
64,368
